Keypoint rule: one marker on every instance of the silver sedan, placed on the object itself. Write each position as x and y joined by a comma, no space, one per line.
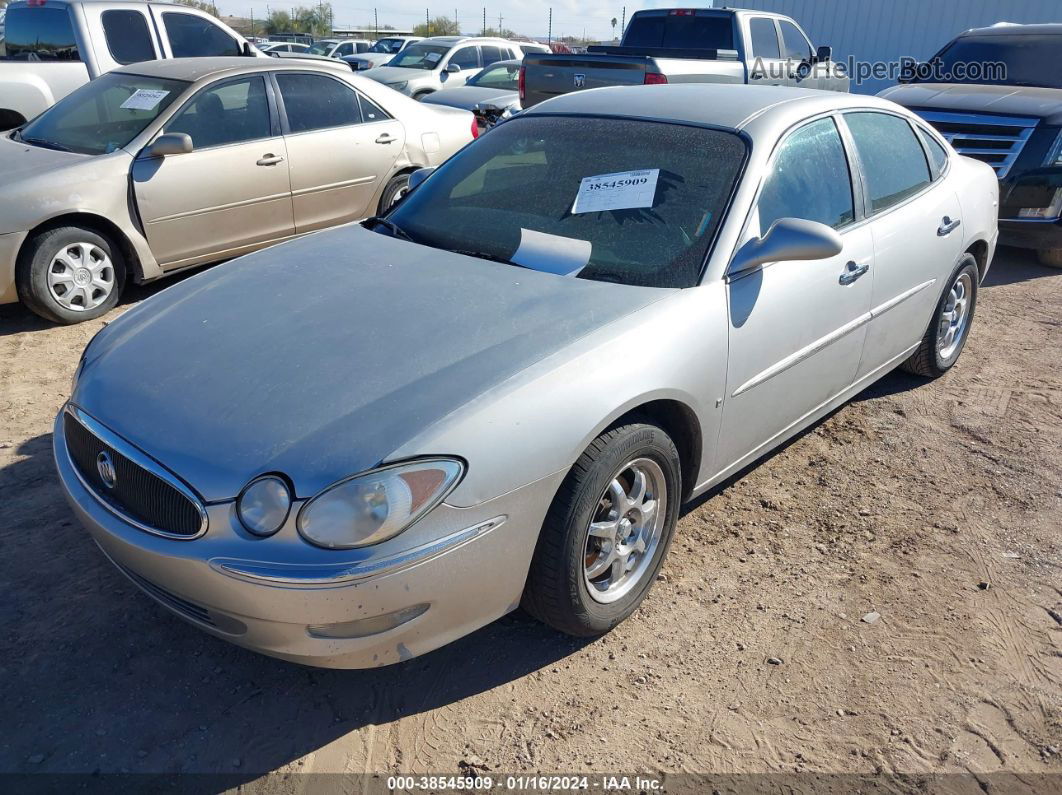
366,443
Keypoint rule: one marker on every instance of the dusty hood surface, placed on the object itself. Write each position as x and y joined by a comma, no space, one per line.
320,357
19,160
1043,103
395,74
466,97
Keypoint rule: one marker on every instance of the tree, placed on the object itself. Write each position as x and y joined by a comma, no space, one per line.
315,20
440,26
504,33
614,23
209,8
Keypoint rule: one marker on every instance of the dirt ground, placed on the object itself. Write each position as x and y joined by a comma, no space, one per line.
937,506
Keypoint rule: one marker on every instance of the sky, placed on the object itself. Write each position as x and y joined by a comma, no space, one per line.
529,17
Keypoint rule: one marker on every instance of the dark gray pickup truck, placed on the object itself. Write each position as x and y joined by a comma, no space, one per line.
686,45
996,95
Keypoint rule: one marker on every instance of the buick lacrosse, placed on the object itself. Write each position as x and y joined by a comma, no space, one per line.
355,447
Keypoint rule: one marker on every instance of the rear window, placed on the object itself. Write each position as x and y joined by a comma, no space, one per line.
685,32
38,34
894,164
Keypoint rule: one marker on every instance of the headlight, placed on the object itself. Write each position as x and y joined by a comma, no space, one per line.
399,86
263,505
375,506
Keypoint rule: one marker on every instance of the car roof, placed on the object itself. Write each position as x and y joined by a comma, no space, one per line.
193,69
728,106
451,40
1011,29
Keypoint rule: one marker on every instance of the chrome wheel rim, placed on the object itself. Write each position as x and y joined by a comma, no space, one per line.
625,530
80,277
955,316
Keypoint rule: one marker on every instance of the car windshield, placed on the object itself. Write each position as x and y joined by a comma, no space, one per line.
387,45
497,77
620,200
321,48
420,56
103,115
1027,59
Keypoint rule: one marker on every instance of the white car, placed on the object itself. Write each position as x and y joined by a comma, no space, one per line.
442,62
380,53
284,46
339,48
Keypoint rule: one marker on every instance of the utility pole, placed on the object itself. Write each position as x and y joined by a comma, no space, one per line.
376,23
623,23
252,23
549,36
427,23
455,21
484,21
500,24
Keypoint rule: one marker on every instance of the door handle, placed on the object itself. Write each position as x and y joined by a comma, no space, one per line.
947,226
853,271
386,138
269,160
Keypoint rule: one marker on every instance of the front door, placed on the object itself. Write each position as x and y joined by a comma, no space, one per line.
231,193
917,235
796,328
341,147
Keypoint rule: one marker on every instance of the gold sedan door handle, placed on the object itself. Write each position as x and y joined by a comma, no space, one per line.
270,160
386,138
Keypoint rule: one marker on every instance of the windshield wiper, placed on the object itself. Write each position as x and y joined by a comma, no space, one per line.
390,226
44,143
484,255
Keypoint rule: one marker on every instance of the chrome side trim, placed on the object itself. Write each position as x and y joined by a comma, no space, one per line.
143,461
329,574
797,357
810,350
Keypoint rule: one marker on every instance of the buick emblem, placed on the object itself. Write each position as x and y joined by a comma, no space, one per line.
105,466
580,80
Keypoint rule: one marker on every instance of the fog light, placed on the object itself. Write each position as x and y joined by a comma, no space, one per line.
1053,210
364,627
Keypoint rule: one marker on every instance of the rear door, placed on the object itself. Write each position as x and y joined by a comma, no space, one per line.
916,218
341,148
797,328
766,65
231,193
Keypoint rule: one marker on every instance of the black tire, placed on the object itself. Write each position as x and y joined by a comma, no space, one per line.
391,192
31,274
1051,257
557,593
928,359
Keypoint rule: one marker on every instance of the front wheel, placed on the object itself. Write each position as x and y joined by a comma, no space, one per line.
607,532
947,332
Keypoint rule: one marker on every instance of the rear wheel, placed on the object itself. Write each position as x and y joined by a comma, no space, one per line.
947,332
393,192
607,532
1051,257
70,274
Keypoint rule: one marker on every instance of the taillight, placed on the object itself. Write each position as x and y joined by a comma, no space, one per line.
655,79
475,127
520,82
682,12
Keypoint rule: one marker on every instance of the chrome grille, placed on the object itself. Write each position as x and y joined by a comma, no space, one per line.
996,140
141,491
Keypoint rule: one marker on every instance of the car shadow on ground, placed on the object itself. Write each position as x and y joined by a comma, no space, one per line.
1012,265
96,677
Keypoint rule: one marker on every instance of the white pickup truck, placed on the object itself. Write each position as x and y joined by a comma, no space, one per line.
51,47
689,45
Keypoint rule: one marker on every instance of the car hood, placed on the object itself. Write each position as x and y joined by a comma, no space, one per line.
395,74
1045,103
320,357
378,58
466,97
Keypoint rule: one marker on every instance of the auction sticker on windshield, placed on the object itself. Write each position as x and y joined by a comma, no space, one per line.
144,99
624,190
433,57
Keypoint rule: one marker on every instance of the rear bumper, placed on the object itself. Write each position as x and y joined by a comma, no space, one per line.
9,248
361,609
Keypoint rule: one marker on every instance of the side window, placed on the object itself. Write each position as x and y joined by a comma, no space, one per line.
370,111
346,48
492,54
938,155
764,38
193,36
466,58
229,113
894,164
796,46
810,179
361,46
317,102
38,34
128,37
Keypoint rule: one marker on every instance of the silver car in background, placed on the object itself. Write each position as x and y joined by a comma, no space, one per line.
441,62
492,95
382,51
356,447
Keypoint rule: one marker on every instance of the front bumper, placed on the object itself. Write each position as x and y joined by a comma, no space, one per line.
462,569
9,248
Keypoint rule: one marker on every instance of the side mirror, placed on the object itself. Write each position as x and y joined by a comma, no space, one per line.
170,144
419,176
788,239
452,68
823,54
